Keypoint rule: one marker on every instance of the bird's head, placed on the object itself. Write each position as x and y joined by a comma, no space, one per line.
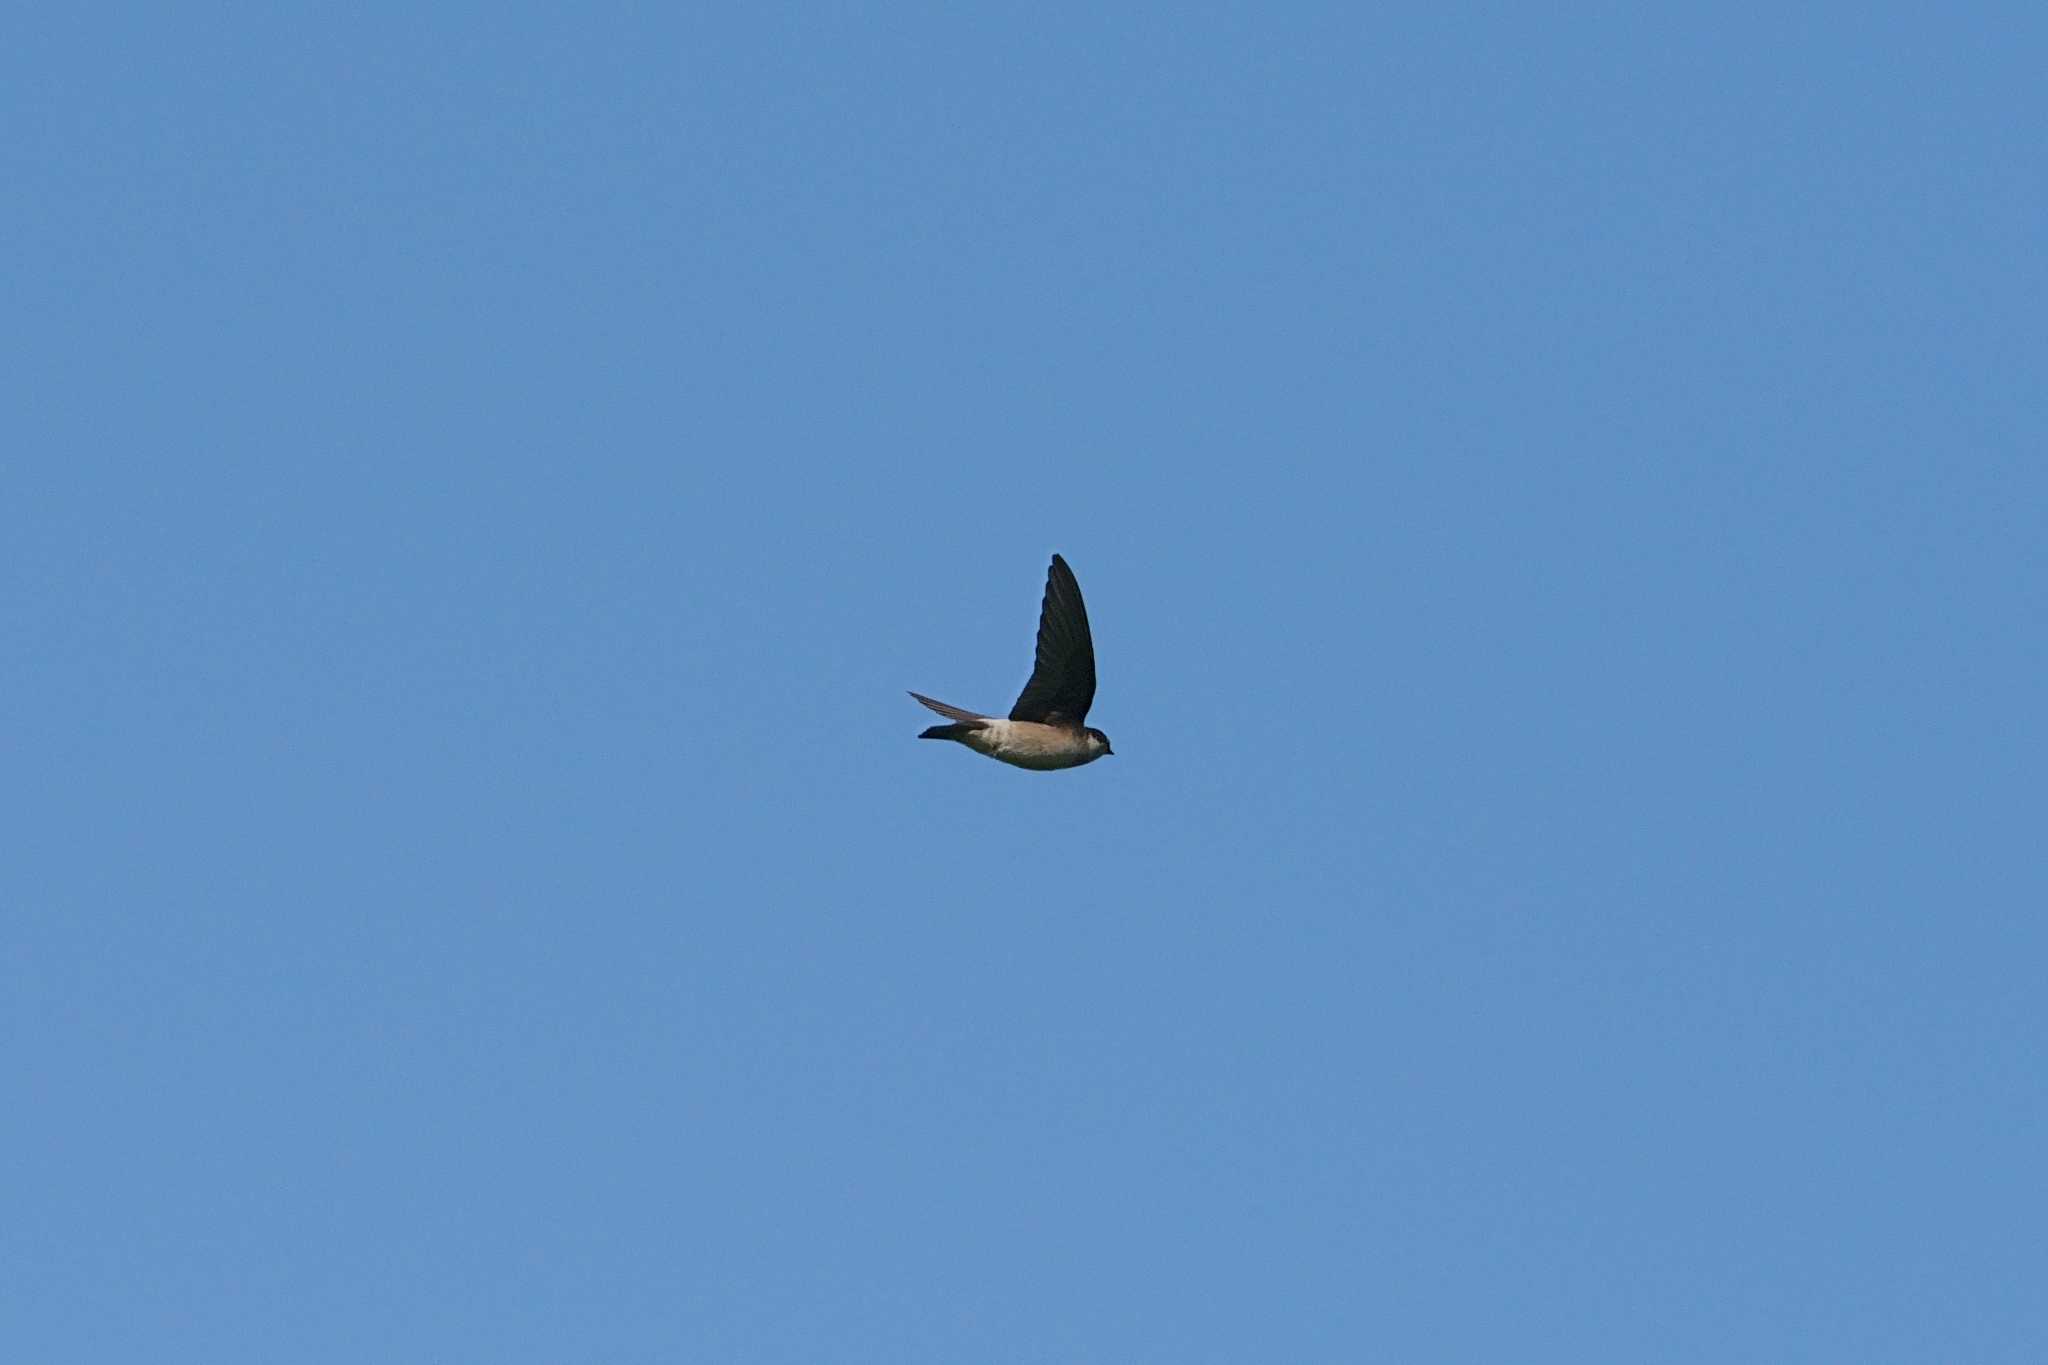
1098,743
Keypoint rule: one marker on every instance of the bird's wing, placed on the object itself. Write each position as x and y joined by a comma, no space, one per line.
1062,685
950,712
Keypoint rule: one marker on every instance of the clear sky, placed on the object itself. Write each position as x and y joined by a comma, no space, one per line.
1561,501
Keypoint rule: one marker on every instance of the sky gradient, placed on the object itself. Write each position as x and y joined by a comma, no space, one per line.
1560,500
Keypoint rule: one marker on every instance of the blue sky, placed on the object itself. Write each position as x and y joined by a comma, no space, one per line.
1560,498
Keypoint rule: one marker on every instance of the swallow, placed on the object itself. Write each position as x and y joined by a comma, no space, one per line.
1044,729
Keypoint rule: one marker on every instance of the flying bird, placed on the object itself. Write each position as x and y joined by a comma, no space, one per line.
1044,729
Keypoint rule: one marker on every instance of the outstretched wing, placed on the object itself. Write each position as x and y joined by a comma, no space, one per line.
950,712
1062,685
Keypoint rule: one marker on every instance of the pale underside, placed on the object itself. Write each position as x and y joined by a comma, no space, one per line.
1027,744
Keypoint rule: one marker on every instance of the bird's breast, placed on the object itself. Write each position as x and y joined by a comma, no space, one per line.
1027,744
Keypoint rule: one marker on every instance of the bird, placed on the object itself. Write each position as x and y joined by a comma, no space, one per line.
1044,730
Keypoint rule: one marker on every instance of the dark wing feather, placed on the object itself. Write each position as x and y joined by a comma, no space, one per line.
952,712
1062,685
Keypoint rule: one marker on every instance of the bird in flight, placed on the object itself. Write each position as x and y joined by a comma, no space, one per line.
1044,729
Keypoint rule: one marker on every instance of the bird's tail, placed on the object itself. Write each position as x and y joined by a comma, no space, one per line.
951,731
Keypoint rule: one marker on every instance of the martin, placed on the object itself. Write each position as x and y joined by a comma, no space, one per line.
1044,729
